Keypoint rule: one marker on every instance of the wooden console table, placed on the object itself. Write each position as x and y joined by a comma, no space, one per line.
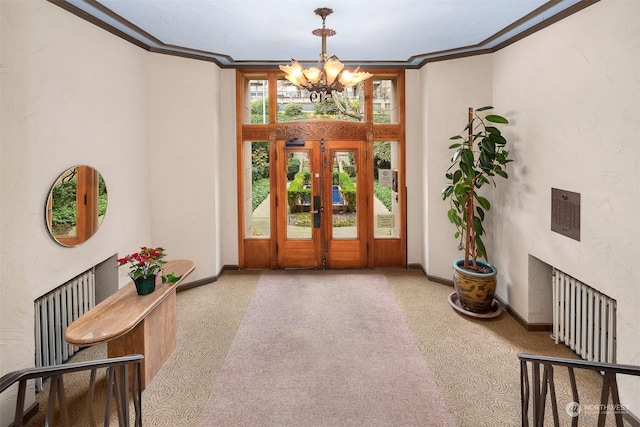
135,324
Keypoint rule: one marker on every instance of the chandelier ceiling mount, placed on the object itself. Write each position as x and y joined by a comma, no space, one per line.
329,76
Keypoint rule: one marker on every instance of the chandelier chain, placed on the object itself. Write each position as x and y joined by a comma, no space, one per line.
329,75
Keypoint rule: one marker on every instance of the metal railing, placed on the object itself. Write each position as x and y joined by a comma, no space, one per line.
117,383
537,391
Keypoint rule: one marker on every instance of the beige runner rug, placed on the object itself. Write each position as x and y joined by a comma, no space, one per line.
318,348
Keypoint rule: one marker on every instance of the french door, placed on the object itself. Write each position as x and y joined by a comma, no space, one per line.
322,215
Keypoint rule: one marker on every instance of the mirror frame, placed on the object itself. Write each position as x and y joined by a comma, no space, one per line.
87,203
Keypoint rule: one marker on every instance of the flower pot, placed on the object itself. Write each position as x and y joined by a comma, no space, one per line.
145,285
475,290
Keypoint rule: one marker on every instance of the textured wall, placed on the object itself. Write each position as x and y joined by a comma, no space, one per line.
184,133
73,93
449,88
571,93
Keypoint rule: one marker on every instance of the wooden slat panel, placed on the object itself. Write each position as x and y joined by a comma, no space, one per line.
257,253
389,253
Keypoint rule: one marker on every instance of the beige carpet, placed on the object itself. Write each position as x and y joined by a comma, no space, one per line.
324,349
473,361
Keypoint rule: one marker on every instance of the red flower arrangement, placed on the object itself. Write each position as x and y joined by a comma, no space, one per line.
145,263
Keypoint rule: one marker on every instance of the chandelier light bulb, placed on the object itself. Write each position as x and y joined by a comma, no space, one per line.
294,73
332,69
313,74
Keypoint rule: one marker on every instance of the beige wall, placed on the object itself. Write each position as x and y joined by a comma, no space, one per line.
75,94
161,130
571,92
414,167
71,94
448,89
184,138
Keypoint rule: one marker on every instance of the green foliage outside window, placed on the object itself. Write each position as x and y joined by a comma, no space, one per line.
258,115
383,194
259,160
293,109
256,106
297,194
260,190
381,156
381,117
348,190
260,182
293,168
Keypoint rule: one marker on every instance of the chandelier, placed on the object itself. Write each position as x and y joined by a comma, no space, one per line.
329,76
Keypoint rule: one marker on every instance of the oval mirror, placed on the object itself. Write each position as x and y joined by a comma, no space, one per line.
76,205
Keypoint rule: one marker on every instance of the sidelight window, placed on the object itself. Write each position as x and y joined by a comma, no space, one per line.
257,189
386,189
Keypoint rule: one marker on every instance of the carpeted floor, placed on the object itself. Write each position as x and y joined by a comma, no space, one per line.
324,349
473,362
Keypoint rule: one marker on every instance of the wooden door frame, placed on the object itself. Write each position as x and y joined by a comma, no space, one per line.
262,252
364,207
306,252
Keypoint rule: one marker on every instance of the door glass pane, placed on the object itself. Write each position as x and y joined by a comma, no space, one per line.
256,103
257,189
344,196
295,103
385,104
298,184
386,206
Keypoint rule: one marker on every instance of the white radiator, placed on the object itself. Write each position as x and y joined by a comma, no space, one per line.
584,319
55,311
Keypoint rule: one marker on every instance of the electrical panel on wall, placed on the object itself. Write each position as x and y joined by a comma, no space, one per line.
565,213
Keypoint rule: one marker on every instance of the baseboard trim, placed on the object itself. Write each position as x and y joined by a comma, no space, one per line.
631,418
446,282
206,280
429,277
532,327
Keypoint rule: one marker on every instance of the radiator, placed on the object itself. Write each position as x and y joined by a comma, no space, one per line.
584,319
55,311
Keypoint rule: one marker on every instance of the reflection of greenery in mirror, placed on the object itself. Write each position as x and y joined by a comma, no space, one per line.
76,205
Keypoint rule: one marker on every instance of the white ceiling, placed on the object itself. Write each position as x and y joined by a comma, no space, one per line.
401,33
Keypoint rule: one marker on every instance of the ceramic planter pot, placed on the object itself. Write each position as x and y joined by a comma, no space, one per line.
145,285
475,290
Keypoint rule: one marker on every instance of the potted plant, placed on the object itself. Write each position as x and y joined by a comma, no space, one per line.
144,266
478,158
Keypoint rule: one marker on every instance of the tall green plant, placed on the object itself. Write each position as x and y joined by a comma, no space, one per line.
478,158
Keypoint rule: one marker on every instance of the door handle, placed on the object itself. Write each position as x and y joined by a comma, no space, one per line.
316,212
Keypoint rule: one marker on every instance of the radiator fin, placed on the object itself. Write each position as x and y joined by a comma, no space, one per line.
54,312
584,319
